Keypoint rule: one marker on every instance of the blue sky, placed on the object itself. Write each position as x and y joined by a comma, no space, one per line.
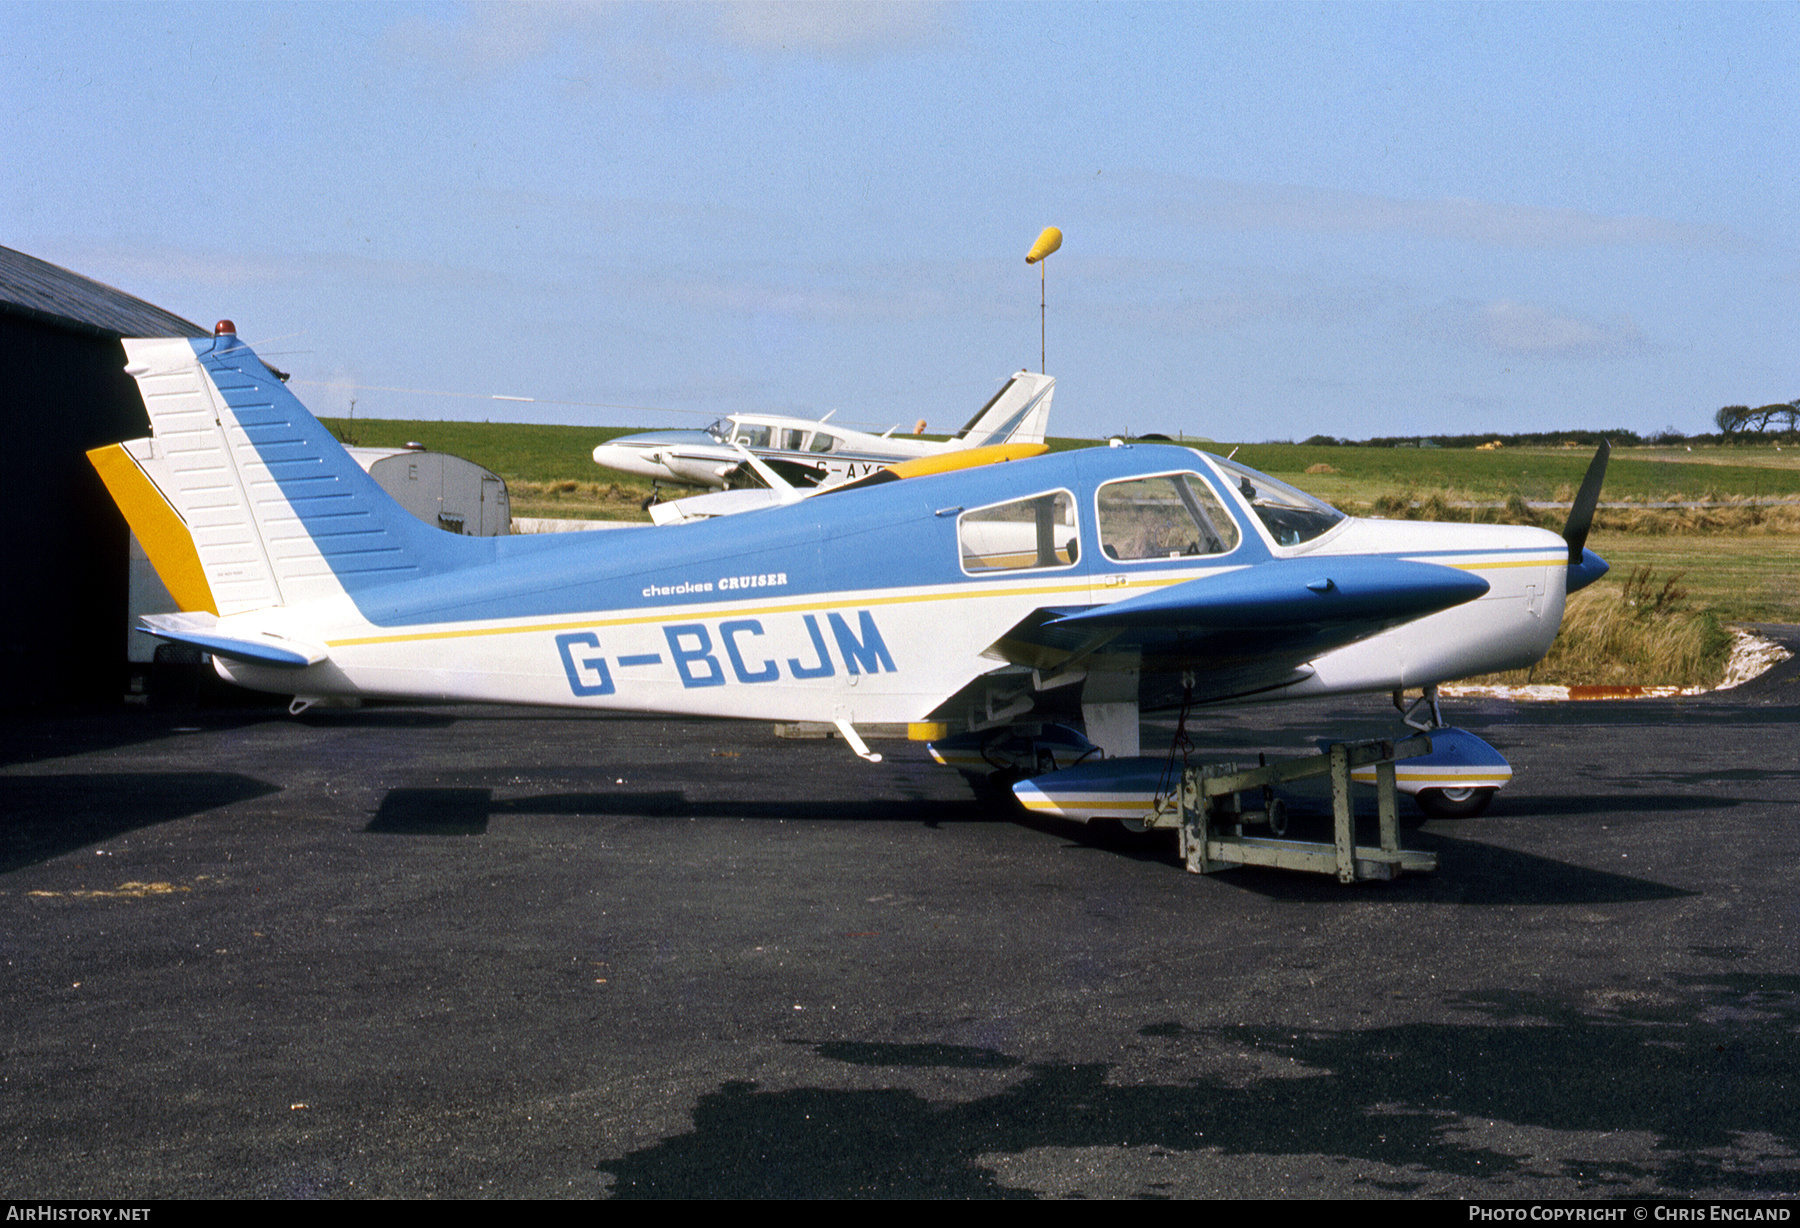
1281,220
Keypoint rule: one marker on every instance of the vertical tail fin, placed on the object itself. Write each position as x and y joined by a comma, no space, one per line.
1018,413
277,511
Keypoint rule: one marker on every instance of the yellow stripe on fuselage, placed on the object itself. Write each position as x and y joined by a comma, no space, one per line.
1541,561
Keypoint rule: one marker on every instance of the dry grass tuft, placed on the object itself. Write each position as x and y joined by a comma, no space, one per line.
1730,515
567,498
1701,521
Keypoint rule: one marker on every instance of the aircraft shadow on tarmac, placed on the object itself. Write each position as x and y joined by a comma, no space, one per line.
456,812
1682,1091
1470,872
375,718
48,816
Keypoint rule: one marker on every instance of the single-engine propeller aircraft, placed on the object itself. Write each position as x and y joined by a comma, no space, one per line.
816,453
981,602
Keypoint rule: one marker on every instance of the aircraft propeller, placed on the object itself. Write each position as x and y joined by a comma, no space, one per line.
1584,566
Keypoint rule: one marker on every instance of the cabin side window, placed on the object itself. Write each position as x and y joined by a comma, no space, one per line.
1171,516
1021,535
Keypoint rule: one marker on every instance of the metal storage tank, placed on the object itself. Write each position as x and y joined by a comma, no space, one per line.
454,494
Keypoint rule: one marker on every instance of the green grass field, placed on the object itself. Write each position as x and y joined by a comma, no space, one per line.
517,452
1740,577
549,470
555,454
1637,474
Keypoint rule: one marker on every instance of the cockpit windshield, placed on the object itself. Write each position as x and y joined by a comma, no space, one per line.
1292,516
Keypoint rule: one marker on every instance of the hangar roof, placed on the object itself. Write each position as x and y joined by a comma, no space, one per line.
52,295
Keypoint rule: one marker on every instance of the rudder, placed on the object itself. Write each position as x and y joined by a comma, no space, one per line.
1018,413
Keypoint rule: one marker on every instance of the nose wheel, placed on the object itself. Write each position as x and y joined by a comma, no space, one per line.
1455,752
1453,803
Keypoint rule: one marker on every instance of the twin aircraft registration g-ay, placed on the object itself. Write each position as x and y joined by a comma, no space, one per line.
979,601
805,453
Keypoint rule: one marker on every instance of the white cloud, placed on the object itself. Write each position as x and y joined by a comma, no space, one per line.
836,29
1532,331
495,37
655,47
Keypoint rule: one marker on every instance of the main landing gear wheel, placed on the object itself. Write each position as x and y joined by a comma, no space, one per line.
1454,803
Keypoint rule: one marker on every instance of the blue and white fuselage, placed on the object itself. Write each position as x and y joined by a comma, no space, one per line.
1138,572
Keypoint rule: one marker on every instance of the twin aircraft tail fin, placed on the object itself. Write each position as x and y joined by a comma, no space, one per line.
1018,413
274,511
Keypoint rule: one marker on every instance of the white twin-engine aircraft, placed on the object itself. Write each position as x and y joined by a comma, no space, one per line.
975,603
806,453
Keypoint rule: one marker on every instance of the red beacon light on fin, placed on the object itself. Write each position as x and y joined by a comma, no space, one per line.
224,328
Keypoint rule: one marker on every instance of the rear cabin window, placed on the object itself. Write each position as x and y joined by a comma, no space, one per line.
1020,535
1173,516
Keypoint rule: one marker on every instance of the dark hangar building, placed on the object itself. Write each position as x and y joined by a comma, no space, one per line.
63,390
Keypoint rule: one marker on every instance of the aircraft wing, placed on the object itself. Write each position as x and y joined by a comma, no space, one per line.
703,455
1250,627
1289,594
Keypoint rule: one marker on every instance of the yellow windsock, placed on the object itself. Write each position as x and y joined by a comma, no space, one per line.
1046,243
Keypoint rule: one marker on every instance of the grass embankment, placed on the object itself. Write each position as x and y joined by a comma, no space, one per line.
1731,561
1660,618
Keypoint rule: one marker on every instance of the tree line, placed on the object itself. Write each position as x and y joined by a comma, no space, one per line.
1782,416
1777,423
